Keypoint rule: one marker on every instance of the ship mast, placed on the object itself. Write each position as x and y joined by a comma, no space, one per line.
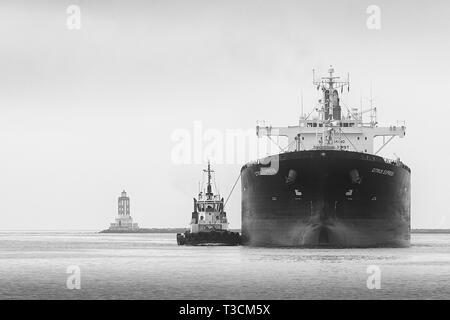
209,193
330,110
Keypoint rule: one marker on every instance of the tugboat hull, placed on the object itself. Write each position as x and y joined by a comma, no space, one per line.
220,238
326,198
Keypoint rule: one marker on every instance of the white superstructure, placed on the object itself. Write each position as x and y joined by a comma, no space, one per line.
330,129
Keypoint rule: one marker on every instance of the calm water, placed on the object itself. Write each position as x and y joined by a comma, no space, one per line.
152,266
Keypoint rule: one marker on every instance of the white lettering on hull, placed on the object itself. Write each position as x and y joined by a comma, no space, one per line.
385,172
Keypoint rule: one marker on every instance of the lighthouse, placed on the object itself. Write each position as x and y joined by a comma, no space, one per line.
124,204
124,221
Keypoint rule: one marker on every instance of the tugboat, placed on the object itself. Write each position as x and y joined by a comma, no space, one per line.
209,223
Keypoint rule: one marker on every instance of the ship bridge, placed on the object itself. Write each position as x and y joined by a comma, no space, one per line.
330,129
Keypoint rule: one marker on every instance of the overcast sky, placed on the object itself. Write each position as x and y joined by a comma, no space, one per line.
86,113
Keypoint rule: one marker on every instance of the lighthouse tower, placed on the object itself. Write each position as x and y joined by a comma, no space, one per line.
124,204
124,221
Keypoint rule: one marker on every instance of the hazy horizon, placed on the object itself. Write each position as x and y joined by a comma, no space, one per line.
87,113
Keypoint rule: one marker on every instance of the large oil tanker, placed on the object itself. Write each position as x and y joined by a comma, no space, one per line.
330,187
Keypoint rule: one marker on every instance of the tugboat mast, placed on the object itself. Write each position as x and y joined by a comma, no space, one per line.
209,193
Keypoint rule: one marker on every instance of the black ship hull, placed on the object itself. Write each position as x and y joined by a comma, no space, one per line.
218,238
326,198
